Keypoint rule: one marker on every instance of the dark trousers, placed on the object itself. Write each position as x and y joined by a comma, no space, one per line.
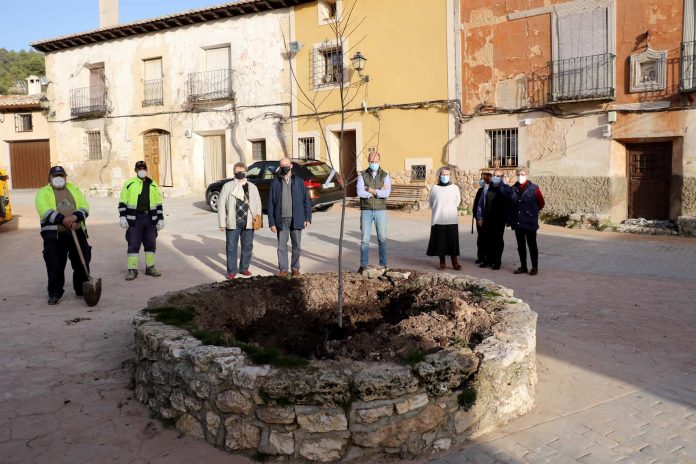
56,253
480,243
295,237
494,242
142,233
234,236
528,236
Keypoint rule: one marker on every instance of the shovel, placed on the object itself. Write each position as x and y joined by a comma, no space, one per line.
92,288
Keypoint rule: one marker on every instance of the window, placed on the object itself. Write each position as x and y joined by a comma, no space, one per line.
23,122
253,172
270,171
152,82
328,11
418,172
328,66
501,147
306,148
94,145
258,150
583,63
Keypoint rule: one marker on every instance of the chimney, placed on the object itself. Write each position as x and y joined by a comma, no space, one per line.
108,13
33,85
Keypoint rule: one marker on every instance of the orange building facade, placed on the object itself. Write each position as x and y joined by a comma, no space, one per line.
594,97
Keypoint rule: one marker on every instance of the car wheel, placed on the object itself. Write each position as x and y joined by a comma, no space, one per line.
213,201
324,207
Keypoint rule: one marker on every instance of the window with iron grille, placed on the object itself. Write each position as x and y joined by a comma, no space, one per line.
418,172
23,123
306,148
94,145
328,66
501,148
258,150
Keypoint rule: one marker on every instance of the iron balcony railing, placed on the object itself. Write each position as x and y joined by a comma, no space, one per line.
687,65
152,93
582,78
210,85
88,101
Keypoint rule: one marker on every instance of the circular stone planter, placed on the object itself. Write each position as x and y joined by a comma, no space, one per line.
346,404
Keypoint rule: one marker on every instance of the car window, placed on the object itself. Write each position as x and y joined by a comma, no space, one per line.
253,172
318,169
270,171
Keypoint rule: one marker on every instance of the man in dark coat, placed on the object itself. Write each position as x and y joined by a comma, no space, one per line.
484,182
492,217
289,211
526,202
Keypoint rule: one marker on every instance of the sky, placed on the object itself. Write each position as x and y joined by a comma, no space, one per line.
26,21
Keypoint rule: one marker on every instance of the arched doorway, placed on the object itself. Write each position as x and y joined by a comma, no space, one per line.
157,155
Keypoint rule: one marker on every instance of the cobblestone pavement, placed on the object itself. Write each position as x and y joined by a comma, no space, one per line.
616,346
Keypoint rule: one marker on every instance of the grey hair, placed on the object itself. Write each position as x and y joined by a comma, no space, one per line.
444,168
522,169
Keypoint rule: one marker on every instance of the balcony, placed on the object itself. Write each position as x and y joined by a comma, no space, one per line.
687,64
210,86
152,93
88,101
583,78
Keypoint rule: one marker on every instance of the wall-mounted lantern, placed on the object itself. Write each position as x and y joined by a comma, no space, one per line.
358,62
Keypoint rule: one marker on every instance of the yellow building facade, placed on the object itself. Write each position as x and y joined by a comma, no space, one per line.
398,105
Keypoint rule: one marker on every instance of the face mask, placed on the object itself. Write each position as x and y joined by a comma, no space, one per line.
481,183
522,179
58,182
444,179
239,175
496,180
374,166
142,174
284,170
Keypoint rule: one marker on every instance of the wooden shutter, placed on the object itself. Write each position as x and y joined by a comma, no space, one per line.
153,69
217,58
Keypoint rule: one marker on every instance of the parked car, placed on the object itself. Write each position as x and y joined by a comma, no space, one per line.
315,174
5,208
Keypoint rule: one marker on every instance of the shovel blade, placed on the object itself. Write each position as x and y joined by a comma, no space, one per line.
92,291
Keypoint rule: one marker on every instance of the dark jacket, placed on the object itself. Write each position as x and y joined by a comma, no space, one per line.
525,204
477,198
496,208
301,204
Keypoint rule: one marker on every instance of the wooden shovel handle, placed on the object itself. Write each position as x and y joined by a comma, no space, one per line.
79,252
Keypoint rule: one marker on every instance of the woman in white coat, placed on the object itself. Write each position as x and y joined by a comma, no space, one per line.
239,205
444,200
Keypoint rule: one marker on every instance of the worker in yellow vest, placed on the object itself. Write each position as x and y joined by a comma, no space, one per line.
140,213
62,208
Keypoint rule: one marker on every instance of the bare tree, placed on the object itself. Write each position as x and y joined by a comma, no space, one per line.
342,26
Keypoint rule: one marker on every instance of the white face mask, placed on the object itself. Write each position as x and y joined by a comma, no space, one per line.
522,178
58,182
142,173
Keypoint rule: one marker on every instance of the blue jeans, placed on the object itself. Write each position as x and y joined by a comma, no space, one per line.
367,217
247,241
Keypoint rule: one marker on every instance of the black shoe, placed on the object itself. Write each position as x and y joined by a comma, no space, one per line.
482,265
520,270
152,271
132,274
534,271
496,267
361,269
478,261
54,300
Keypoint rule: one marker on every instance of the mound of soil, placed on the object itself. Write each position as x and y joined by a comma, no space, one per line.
383,318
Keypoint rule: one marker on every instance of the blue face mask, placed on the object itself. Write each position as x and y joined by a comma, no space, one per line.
496,180
444,179
481,183
374,166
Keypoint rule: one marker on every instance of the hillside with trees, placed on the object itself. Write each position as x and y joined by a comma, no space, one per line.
17,66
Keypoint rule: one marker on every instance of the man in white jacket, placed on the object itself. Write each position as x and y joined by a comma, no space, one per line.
239,204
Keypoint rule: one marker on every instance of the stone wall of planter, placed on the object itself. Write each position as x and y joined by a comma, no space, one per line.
332,411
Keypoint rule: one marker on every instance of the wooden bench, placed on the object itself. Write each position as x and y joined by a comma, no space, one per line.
406,194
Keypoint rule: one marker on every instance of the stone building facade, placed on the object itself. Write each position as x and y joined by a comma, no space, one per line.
593,96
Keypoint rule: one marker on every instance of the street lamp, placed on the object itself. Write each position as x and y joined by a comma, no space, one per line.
359,61
44,103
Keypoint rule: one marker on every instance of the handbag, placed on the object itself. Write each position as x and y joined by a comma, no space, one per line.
257,222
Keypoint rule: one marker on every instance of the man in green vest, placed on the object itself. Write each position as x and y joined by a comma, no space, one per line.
62,208
140,213
374,187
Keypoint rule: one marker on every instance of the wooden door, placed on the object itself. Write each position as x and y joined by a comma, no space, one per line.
349,162
30,162
649,180
151,154
213,158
